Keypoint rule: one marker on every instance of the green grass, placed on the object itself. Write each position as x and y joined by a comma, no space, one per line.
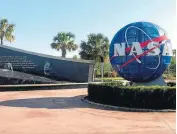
111,78
165,76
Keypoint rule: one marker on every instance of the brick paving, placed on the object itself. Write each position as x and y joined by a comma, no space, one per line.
63,112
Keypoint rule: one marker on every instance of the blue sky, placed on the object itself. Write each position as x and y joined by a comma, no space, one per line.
38,21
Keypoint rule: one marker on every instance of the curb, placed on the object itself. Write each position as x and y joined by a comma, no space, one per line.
125,108
31,87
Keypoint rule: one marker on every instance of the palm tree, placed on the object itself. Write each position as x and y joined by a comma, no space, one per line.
6,31
64,41
96,46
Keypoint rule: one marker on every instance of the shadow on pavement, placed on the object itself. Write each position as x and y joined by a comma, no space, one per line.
51,103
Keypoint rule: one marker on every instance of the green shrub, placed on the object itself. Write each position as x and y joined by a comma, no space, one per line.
169,76
171,84
108,71
107,74
113,74
149,97
110,79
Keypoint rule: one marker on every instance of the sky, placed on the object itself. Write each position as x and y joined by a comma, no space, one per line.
38,21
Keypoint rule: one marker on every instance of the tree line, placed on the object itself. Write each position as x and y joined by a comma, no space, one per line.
65,42
96,45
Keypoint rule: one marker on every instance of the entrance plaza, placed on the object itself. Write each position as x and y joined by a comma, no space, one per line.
63,112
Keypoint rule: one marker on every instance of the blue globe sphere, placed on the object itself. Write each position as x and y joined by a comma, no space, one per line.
140,52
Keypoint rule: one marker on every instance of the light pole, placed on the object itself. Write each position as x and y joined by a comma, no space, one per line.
102,67
102,62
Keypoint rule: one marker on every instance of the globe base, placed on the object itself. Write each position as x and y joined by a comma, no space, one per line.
159,81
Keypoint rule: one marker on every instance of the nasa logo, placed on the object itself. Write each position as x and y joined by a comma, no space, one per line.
140,52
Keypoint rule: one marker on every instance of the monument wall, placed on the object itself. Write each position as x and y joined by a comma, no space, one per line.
57,68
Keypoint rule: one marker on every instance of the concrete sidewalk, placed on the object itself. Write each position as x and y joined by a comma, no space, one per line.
63,112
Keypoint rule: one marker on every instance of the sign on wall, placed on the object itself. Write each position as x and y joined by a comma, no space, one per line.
24,65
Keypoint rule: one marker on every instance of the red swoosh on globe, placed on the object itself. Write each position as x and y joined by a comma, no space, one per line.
129,61
144,44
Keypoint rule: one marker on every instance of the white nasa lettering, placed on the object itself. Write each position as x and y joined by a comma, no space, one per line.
167,51
136,48
155,51
119,49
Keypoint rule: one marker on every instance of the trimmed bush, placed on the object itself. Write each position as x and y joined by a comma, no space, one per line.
107,74
113,74
169,76
171,84
149,97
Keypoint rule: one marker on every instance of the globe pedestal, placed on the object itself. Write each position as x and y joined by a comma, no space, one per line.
159,81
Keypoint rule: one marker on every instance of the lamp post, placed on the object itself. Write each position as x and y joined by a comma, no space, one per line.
102,68
102,62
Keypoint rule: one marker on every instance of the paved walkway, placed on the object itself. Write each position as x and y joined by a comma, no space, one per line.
62,112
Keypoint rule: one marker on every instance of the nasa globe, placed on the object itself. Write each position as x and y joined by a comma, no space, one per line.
140,52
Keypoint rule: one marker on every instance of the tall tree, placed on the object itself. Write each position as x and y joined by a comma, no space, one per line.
64,41
96,46
6,31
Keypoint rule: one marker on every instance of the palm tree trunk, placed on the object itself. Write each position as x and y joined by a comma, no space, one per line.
1,41
63,54
2,37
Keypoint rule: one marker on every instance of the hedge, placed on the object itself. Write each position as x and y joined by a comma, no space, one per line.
171,84
147,97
